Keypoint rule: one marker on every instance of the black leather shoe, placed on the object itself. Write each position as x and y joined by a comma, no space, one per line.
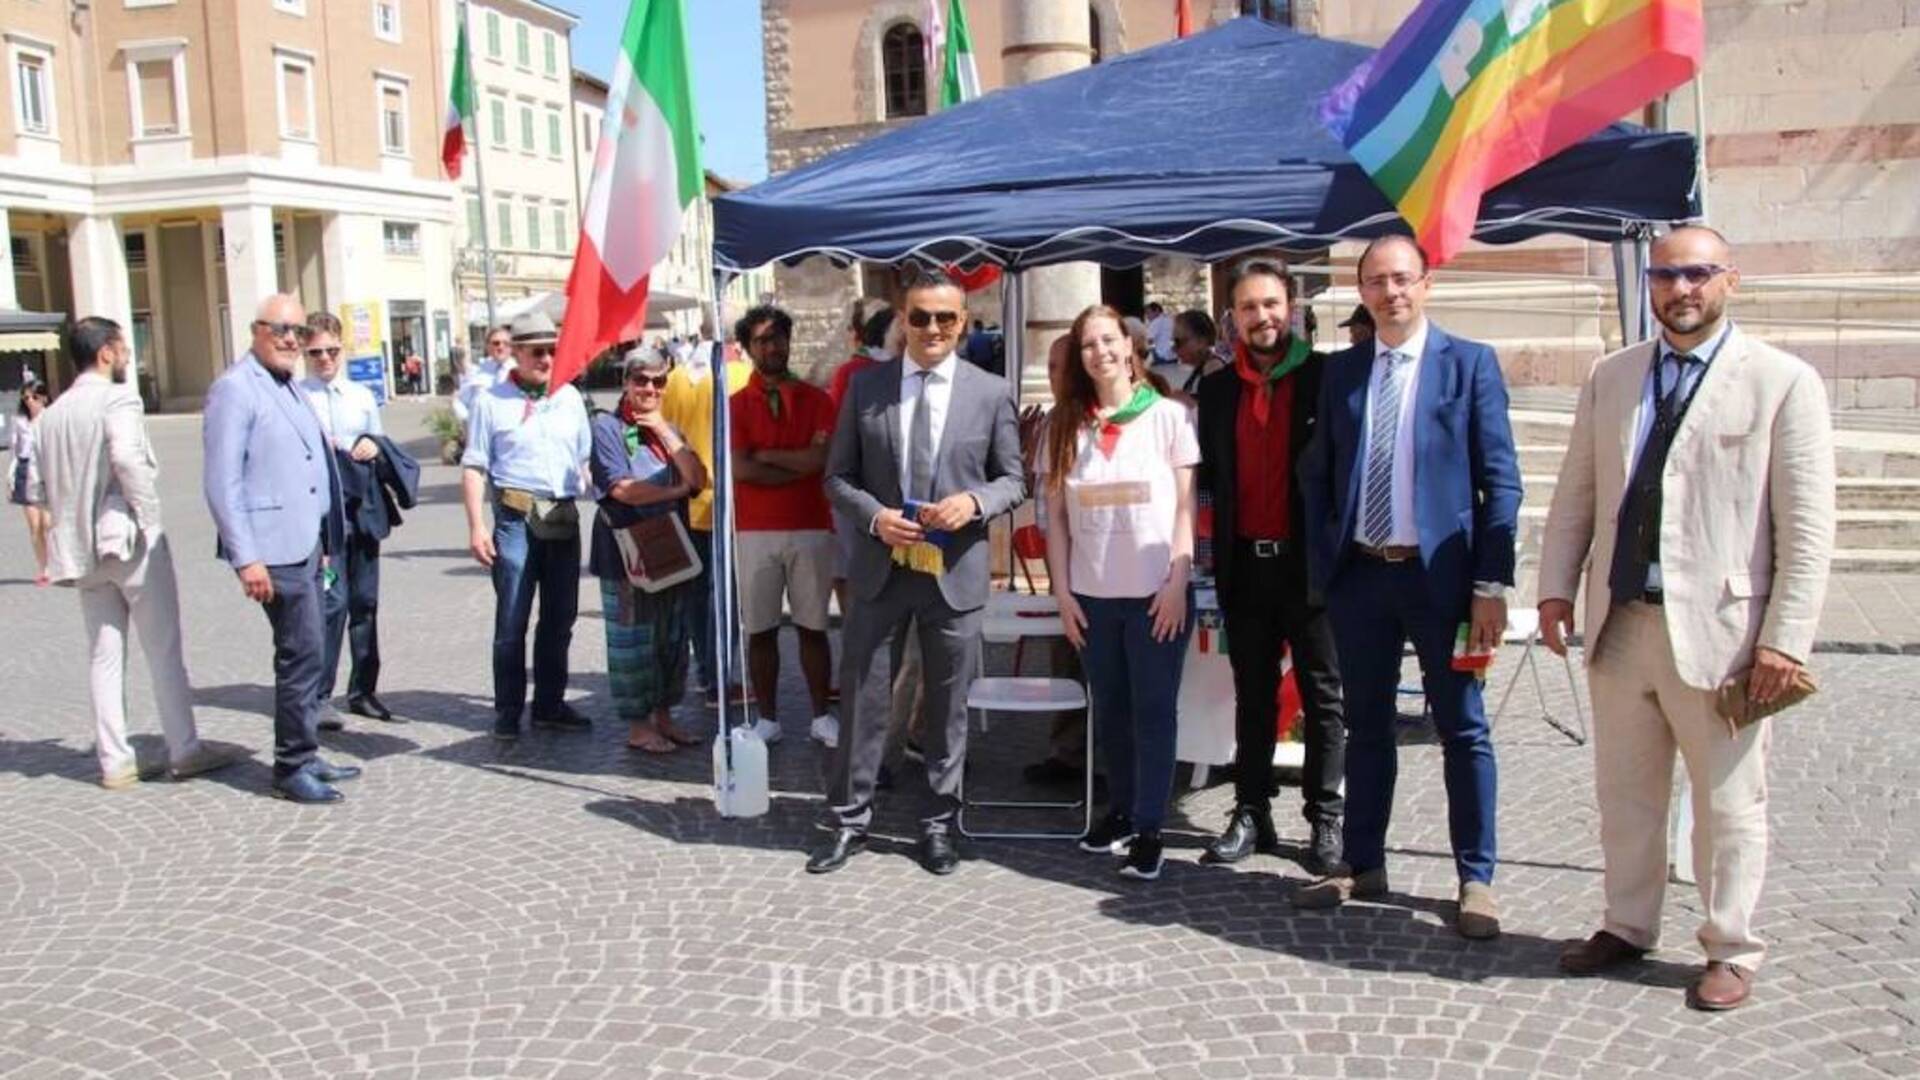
1250,829
938,853
833,854
565,718
369,706
1324,850
304,787
328,773
506,728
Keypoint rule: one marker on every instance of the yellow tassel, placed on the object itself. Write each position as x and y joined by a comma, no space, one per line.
924,557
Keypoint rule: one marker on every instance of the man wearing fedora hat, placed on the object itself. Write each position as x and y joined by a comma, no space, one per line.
1359,326
527,448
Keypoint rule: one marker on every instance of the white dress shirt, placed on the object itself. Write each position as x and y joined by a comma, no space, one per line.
939,392
1406,529
479,379
346,409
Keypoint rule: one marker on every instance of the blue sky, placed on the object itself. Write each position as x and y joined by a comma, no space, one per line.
728,80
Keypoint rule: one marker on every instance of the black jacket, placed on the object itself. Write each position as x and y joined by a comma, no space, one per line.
376,491
1219,399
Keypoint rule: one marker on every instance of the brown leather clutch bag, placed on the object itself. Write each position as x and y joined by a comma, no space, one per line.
1738,710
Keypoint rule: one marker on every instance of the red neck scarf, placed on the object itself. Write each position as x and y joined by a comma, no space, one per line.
1262,385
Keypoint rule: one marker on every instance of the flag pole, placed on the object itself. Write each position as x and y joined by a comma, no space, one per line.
480,179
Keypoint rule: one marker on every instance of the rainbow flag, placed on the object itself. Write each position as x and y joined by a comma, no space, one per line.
1469,93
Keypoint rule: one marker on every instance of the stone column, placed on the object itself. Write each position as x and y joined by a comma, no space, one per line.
100,286
9,296
1045,38
252,273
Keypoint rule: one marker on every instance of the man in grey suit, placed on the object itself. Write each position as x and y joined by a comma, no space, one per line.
925,453
100,476
270,483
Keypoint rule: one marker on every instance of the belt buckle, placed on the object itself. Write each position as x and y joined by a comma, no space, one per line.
1266,549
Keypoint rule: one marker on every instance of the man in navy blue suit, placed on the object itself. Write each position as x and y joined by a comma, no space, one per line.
1412,496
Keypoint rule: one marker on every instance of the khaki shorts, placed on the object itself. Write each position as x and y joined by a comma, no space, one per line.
796,566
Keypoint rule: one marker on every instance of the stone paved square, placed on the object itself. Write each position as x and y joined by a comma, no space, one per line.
568,909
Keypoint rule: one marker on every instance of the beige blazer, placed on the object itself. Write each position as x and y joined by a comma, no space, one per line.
100,474
1747,521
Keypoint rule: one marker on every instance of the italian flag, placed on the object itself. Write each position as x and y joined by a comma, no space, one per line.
453,141
961,82
646,172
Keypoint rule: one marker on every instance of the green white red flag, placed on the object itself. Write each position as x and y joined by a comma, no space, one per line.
453,139
646,172
961,81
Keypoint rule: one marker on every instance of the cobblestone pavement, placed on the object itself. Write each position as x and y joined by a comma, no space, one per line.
566,909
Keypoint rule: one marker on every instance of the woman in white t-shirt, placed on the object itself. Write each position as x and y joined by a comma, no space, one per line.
1117,470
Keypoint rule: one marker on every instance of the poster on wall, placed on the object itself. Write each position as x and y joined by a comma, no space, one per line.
364,341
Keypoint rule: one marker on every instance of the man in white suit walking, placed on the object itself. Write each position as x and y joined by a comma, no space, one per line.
1698,495
106,540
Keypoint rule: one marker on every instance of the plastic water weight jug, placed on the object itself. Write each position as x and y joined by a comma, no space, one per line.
742,791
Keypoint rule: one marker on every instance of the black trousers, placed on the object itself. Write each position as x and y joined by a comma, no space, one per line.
298,626
353,611
1265,612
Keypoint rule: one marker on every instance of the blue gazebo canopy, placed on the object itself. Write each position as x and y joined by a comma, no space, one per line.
1205,147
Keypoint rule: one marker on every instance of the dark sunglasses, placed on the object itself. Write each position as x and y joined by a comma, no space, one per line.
540,351
1691,273
919,319
283,329
658,382
316,353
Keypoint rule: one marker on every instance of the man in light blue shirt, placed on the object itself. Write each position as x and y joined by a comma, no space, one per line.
348,415
528,443
483,376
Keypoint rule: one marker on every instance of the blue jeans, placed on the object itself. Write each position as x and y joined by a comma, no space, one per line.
1134,682
700,616
522,565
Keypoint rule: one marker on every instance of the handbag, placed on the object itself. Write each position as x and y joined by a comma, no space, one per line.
1733,705
657,553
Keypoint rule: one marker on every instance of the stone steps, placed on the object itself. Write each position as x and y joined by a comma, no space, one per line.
1873,537
1852,492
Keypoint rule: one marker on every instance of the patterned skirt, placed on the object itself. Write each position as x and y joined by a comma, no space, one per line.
646,646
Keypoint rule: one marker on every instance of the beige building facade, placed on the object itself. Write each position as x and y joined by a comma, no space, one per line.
1812,115
168,163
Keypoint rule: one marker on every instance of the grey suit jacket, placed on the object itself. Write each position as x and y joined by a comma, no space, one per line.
269,471
979,453
100,474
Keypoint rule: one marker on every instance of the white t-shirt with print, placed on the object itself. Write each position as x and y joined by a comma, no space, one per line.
1120,510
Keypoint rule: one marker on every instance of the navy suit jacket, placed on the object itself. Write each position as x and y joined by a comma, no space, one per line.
1466,476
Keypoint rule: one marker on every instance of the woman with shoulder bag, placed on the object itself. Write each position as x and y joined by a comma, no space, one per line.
643,468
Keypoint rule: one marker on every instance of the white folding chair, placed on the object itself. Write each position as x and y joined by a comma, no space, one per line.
1523,628
1040,697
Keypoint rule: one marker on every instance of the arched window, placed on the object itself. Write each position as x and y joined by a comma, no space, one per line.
903,59
1273,11
1093,32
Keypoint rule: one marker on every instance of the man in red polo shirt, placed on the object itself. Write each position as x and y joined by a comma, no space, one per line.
784,531
1256,416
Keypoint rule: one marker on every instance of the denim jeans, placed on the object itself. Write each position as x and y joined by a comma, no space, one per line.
524,564
700,618
1134,682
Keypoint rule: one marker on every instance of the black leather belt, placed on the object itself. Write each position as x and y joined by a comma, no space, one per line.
1264,549
1391,553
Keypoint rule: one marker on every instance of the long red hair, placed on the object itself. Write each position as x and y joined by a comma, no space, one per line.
1071,413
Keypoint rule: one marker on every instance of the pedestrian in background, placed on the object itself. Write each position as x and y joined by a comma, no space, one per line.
1708,549
103,496
26,490
1118,469
643,468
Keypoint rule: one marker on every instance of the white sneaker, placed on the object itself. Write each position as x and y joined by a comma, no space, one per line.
826,731
768,731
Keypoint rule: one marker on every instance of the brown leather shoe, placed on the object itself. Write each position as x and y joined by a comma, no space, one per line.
1479,915
1721,986
1601,952
1339,887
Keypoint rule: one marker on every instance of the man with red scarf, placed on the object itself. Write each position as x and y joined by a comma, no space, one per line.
527,448
1256,416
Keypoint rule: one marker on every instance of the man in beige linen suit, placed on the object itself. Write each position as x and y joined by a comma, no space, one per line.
99,472
1698,496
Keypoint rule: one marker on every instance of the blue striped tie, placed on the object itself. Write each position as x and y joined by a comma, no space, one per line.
1376,498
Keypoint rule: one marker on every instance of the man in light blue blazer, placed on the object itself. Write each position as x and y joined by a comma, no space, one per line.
270,484
1411,489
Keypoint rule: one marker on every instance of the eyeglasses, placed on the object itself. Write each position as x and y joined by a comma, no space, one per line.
1398,281
539,352
658,382
1692,273
920,319
284,329
329,353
